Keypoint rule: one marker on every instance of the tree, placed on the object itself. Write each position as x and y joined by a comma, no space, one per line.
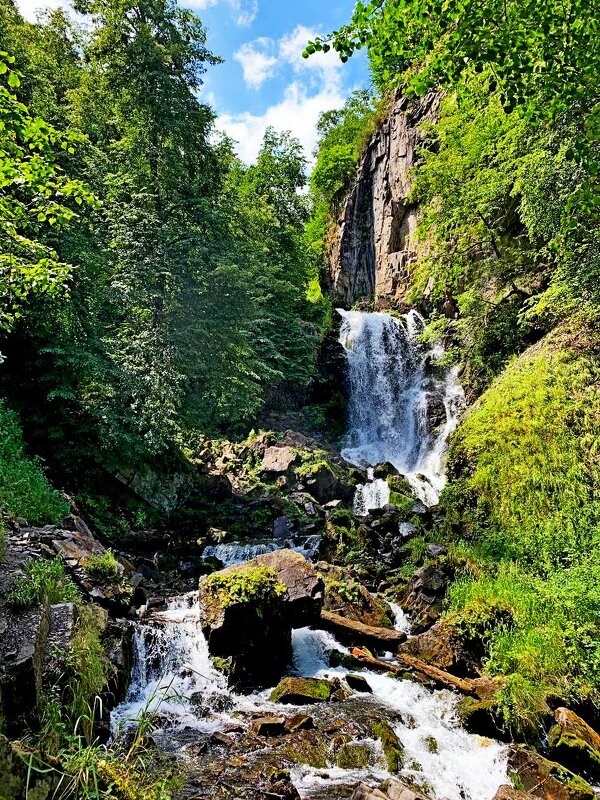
35,195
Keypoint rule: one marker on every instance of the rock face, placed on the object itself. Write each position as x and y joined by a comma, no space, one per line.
375,244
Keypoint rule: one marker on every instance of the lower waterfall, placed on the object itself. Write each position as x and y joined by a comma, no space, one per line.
402,407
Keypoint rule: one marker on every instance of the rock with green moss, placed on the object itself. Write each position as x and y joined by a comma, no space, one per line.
546,779
301,691
392,747
18,781
354,755
575,744
244,620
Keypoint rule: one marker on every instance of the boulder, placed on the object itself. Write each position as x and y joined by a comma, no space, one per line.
299,722
278,460
305,589
243,617
384,469
546,779
392,747
358,683
364,792
301,691
396,790
575,744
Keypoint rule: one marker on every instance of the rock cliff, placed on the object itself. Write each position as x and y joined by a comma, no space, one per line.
374,243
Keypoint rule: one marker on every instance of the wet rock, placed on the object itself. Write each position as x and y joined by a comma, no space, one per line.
575,744
359,683
424,595
392,747
508,793
278,460
268,726
357,633
301,691
354,755
384,469
279,784
299,722
244,620
326,486
305,589
546,779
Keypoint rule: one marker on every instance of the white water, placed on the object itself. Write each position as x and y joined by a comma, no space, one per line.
465,767
172,664
238,553
393,391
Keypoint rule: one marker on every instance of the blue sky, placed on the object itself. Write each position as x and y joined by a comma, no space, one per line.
264,80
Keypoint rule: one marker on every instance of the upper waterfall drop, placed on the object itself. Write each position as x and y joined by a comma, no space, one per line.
402,409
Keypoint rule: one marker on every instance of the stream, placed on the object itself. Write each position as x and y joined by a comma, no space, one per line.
402,410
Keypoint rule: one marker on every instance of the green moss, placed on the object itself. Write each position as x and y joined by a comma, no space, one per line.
301,690
392,747
353,755
45,581
247,584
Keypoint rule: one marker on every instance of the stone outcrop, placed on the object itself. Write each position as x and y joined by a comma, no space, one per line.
374,244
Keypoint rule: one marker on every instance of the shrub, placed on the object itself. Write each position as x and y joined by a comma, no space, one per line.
24,489
44,582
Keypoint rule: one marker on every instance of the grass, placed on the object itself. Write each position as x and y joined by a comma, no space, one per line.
244,585
45,581
523,507
24,489
104,566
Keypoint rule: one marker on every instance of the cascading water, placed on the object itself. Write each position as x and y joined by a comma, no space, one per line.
402,408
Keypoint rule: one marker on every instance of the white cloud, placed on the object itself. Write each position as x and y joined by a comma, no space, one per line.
297,112
245,11
293,44
256,63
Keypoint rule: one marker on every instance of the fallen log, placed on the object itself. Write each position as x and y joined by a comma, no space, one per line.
483,688
353,632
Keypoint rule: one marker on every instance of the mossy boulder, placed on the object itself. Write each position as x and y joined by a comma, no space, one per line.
392,747
346,596
302,691
18,781
575,744
248,599
546,779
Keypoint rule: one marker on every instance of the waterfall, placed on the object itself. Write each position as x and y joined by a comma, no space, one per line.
402,408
